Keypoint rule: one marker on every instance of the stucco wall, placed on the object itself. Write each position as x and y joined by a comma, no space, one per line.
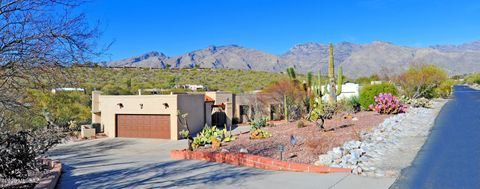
208,113
194,105
152,104
224,97
243,99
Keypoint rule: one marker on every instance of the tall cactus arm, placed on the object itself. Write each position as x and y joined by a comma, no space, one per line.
339,81
291,73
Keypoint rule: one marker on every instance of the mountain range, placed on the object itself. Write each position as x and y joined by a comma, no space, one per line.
357,60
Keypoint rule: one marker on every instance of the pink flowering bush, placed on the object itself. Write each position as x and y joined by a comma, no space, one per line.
386,103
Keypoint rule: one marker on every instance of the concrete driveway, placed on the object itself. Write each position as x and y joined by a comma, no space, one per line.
145,163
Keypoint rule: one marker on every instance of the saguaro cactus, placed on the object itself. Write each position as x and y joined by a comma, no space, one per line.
331,76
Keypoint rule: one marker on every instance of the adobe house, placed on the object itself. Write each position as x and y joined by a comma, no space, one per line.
156,116
148,116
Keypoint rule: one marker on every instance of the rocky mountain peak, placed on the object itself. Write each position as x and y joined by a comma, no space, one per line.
356,59
470,46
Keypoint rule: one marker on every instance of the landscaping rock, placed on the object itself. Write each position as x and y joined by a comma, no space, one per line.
388,148
224,150
325,159
243,150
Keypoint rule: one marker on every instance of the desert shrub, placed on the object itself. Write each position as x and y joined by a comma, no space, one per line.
329,110
416,102
21,150
473,79
423,81
259,134
287,91
300,124
351,104
63,107
420,102
386,103
116,81
259,123
444,89
323,111
368,92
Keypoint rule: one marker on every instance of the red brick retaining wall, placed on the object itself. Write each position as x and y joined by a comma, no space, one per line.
248,160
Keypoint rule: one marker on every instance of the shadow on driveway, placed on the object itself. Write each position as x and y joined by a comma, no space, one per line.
127,163
160,175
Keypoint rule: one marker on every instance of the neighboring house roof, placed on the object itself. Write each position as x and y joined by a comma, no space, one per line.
209,99
67,89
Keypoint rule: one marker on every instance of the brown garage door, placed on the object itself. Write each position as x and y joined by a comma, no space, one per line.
143,126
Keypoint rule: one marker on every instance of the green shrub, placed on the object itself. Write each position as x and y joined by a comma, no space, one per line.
368,92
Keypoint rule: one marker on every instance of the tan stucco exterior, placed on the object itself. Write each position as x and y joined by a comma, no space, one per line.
109,106
196,105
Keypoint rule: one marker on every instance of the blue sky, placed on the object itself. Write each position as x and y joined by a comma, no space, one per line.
175,27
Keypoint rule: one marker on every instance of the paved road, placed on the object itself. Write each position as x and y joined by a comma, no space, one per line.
145,163
451,156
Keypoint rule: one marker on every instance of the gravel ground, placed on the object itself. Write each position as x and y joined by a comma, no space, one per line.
391,147
310,140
